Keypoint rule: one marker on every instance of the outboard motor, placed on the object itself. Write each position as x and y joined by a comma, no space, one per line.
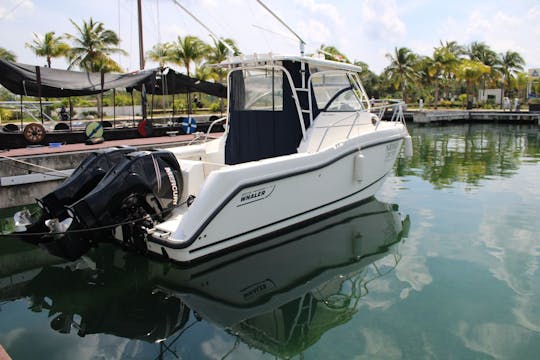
143,183
85,178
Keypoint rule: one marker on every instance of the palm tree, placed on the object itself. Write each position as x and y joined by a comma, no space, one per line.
454,48
7,55
160,53
92,47
442,64
401,70
458,51
186,51
471,71
521,81
48,46
481,52
510,62
332,53
218,53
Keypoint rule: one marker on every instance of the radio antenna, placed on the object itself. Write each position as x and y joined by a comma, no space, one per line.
214,36
302,42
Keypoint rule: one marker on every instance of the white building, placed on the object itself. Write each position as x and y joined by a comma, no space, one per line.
490,95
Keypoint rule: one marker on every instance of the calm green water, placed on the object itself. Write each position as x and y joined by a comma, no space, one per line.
443,264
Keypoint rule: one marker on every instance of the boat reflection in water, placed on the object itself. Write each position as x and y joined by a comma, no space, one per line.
279,296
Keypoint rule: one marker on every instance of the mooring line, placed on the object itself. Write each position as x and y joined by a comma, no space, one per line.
35,165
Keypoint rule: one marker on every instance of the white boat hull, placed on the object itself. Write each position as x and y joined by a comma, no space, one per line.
248,201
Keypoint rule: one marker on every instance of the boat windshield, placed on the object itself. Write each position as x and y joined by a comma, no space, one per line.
336,91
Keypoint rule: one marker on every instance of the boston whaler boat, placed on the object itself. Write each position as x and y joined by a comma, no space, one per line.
301,140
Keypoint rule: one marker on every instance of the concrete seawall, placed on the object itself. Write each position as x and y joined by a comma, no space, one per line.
436,116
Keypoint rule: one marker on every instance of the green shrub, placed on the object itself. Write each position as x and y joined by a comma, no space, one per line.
7,115
94,113
215,106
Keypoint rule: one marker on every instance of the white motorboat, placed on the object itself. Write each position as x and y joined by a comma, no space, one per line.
302,140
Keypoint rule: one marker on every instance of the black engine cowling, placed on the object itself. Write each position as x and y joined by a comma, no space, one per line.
85,178
141,183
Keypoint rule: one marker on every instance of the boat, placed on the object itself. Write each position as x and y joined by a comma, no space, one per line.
302,140
325,269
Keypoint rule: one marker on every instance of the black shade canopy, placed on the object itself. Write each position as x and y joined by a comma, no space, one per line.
177,83
30,80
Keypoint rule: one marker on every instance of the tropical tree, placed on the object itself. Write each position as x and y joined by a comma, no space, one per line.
454,47
471,71
48,46
448,79
443,64
521,81
160,53
332,53
401,71
7,55
510,62
479,51
426,79
218,53
369,79
186,51
93,46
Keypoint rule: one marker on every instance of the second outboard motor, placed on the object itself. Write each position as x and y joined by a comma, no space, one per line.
85,178
142,183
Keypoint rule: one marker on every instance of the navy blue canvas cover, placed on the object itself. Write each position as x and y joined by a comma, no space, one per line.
258,134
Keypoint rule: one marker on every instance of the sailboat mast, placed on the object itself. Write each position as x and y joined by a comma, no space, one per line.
141,47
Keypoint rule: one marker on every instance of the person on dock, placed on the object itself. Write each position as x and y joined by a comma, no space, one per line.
63,113
421,104
506,104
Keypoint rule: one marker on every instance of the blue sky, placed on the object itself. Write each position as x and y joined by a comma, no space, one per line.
362,29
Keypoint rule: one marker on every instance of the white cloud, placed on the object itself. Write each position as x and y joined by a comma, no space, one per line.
325,9
501,30
380,20
316,32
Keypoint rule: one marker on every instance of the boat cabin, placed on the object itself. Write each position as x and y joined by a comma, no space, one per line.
274,100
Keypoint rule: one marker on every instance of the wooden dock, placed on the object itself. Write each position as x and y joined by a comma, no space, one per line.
441,116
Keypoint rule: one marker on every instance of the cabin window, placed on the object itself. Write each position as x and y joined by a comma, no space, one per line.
335,92
262,90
